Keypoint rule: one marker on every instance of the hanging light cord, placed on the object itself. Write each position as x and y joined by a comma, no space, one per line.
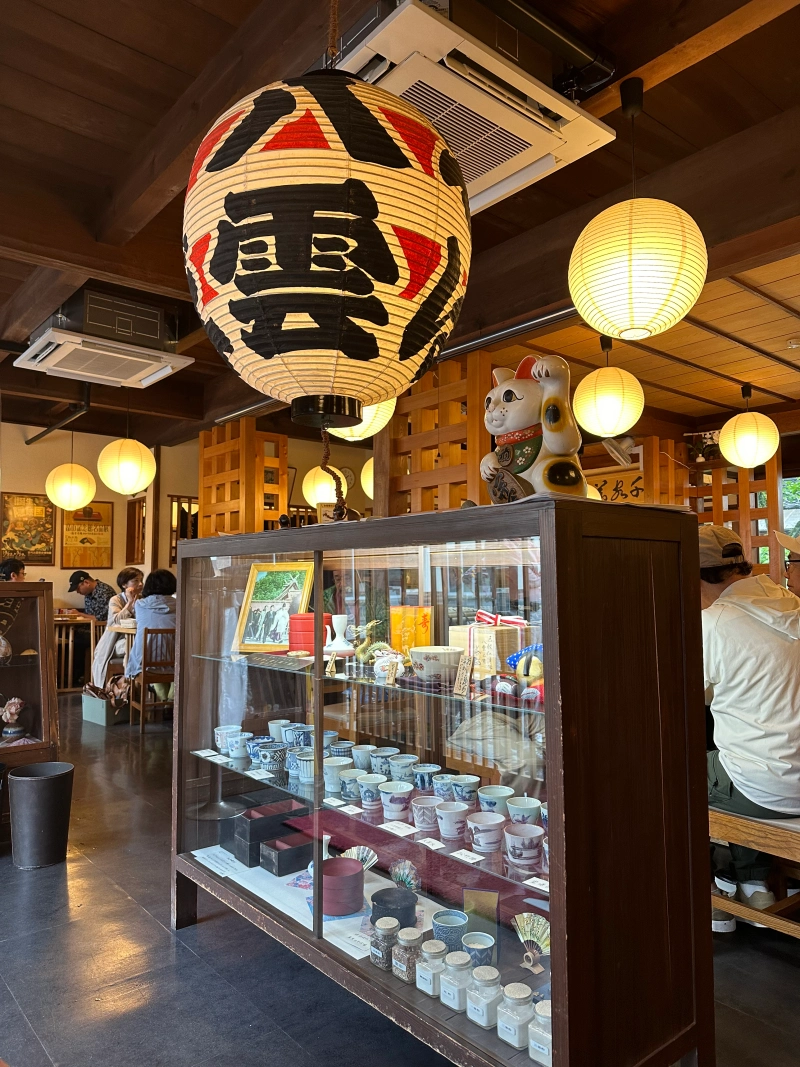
633,156
333,33
340,509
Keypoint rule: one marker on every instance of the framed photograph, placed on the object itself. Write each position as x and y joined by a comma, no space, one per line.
87,537
28,528
274,592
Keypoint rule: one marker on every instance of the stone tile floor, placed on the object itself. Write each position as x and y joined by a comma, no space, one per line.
90,973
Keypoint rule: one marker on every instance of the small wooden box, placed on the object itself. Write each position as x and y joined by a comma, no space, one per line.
286,855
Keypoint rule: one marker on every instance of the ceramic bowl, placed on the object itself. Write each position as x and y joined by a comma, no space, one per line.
342,748
401,767
485,829
465,788
423,776
452,818
368,788
435,663
423,811
255,743
494,798
273,756
480,948
524,809
379,760
450,926
443,786
360,755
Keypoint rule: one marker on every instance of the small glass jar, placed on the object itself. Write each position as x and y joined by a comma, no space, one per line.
484,996
456,980
406,954
430,966
540,1035
514,1014
382,942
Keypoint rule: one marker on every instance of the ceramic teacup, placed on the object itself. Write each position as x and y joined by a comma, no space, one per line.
331,767
255,743
452,818
524,842
423,776
485,829
494,798
348,783
450,926
237,745
465,788
401,767
379,760
368,788
290,731
221,735
443,786
273,757
342,748
544,817
292,765
360,755
524,809
276,728
304,735
305,764
328,737
423,811
396,799
480,948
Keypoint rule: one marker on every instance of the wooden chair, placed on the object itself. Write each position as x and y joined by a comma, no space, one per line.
65,630
158,667
777,837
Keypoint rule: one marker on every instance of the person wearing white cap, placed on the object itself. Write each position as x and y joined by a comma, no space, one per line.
792,564
751,662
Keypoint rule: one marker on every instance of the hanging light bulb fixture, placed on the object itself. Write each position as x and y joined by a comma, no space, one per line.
638,267
368,478
70,486
374,418
750,438
126,466
608,401
319,486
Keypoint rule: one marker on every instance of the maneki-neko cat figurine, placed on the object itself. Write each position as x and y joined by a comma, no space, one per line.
537,438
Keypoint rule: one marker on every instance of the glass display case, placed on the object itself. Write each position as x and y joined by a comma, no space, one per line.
455,761
28,706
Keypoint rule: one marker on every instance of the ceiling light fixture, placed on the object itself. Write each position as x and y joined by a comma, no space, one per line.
608,401
749,439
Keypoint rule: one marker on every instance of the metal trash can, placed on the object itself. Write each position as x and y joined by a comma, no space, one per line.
40,796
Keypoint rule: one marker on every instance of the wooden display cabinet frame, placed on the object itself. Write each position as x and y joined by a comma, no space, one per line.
631,951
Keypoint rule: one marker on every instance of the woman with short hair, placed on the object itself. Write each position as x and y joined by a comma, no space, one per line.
155,611
121,606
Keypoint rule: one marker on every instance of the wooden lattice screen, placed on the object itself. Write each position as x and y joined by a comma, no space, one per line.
243,478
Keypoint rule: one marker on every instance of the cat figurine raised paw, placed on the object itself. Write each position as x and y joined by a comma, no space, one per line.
537,438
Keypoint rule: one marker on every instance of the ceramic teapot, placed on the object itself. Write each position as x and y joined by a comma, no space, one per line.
537,438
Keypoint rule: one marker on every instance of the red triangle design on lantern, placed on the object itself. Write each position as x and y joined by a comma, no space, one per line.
197,258
209,143
304,132
417,137
423,256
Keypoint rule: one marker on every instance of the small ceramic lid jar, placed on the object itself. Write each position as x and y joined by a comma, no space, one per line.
514,1014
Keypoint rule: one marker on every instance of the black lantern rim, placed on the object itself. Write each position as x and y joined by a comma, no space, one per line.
325,411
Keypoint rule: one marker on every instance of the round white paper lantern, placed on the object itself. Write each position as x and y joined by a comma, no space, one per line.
637,268
327,243
593,492
608,401
368,478
126,466
749,439
70,486
320,488
374,418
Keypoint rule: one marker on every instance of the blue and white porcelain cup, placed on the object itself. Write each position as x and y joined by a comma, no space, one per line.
443,786
423,776
255,743
342,748
237,744
304,735
292,766
396,800
524,809
368,788
379,759
401,767
305,764
450,926
222,734
480,948
289,733
328,738
465,788
361,757
273,757
348,782
495,798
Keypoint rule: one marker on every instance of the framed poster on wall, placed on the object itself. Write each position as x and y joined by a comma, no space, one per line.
87,537
274,592
28,528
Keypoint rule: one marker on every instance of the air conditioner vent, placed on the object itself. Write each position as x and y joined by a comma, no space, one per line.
103,364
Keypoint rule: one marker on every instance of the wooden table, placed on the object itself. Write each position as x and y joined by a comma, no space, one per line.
65,628
130,633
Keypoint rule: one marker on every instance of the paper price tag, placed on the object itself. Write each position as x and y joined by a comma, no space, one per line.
432,843
259,774
204,752
402,829
538,883
391,673
467,856
330,670
351,809
218,759
461,687
333,802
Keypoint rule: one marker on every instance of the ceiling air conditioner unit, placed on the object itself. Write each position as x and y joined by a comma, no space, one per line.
68,354
506,128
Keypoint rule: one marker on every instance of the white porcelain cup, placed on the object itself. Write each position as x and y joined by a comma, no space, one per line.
221,735
276,726
485,829
452,818
494,798
423,809
401,767
361,754
331,767
396,799
305,764
524,809
237,745
524,842
465,788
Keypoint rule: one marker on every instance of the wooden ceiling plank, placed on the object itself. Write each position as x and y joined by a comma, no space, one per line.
778,271
756,349
248,59
44,291
656,49
762,294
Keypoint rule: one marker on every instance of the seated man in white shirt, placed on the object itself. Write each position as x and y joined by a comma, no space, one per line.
751,659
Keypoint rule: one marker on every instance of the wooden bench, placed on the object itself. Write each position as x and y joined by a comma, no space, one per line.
779,838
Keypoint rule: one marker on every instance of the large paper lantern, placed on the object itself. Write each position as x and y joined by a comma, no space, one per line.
373,418
70,486
368,478
608,401
327,243
320,488
126,466
749,439
637,268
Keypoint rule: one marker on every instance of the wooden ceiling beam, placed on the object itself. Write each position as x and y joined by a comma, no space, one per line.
45,290
655,45
526,275
278,40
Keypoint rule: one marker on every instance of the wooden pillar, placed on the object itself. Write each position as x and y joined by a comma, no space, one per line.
449,494
381,459
422,459
479,441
